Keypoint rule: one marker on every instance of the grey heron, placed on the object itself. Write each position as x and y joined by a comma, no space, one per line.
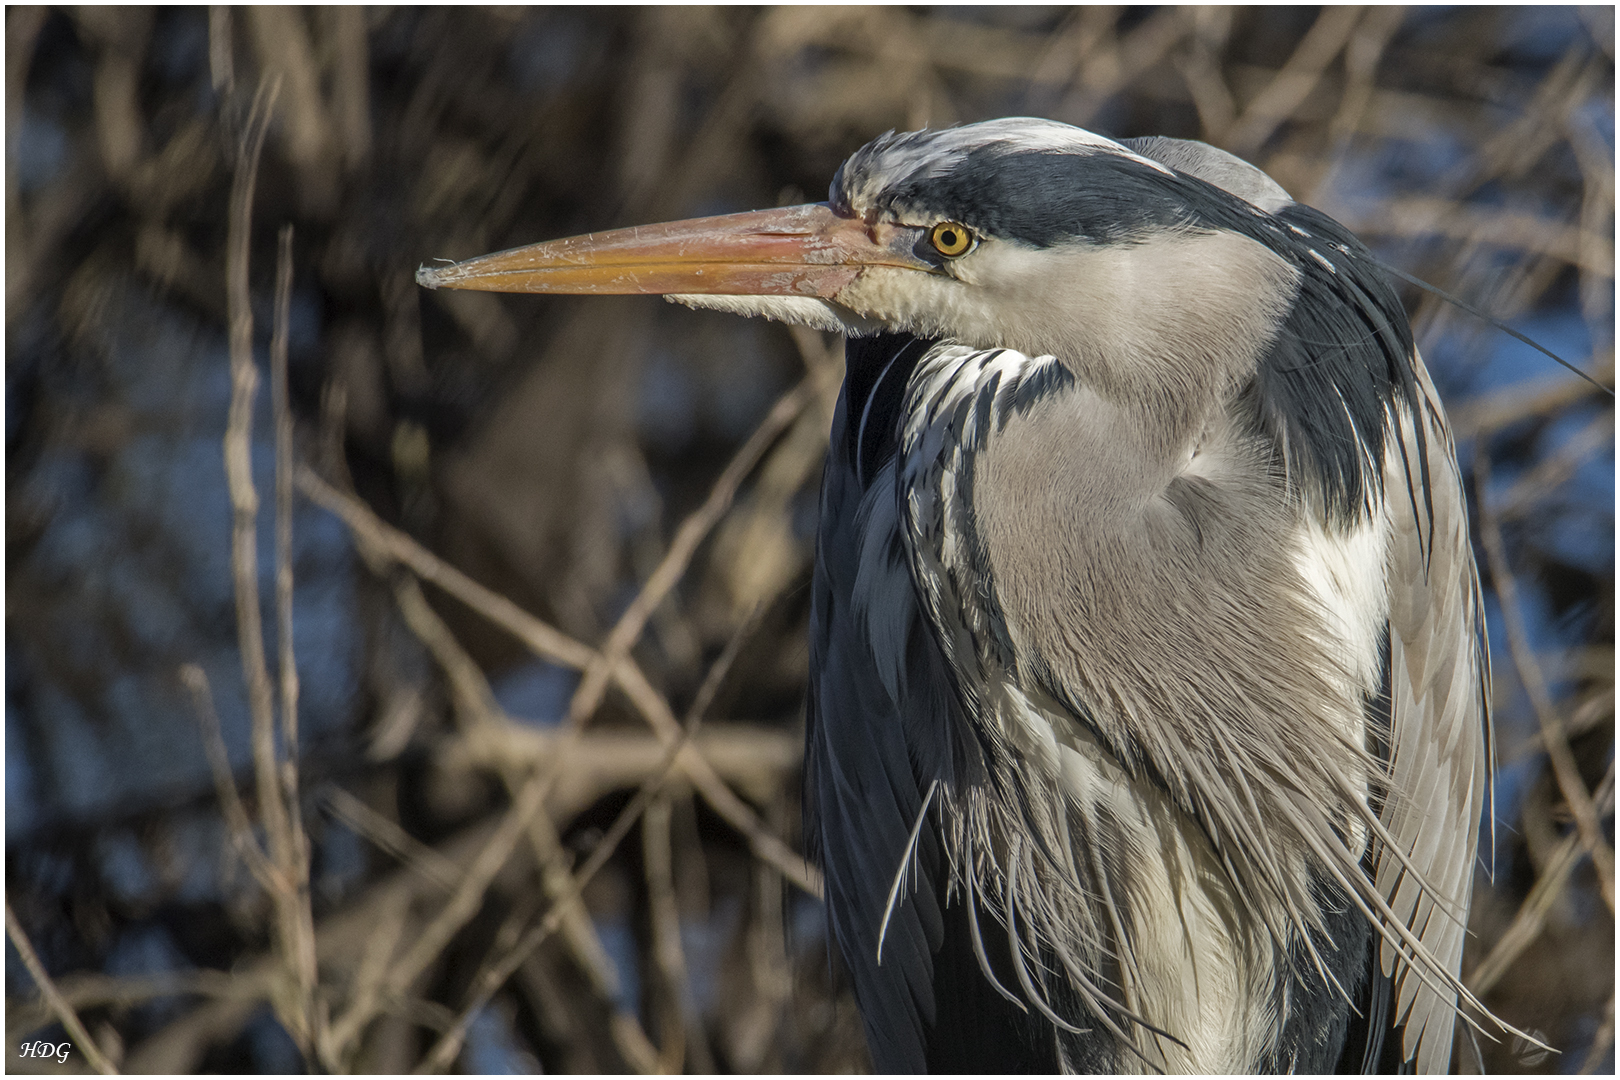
1147,720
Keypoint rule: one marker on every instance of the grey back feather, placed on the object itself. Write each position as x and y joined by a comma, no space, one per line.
1441,759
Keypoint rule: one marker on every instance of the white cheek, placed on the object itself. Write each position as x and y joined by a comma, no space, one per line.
930,305
799,310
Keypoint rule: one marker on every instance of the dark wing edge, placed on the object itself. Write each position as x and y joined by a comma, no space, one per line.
884,727
862,796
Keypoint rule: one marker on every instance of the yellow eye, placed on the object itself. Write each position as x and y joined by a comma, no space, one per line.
951,239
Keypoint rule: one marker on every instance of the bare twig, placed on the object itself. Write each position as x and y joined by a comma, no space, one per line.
767,942
500,965
89,991
1109,71
367,990
281,38
750,757
1361,56
1564,767
1543,397
1590,144
351,90
1602,1041
540,638
1532,915
179,1045
1594,710
1200,68
277,779
463,905
669,959
1294,83
300,915
684,1038
481,716
391,838
551,644
1590,250
47,989
230,802
1553,470
495,973
221,52
697,525
239,473
287,662
720,797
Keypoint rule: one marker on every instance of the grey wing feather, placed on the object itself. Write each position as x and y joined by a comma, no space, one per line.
1440,751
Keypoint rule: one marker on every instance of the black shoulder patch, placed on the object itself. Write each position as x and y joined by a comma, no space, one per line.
1342,357
877,370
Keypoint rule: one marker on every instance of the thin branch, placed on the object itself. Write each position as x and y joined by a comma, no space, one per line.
300,914
1542,397
230,801
684,1037
1494,226
593,684
1602,1042
388,836
748,756
47,989
367,991
1532,915
669,958
481,716
1559,755
1591,712
500,964
1110,71
178,1046
551,644
1554,469
538,637
287,662
89,991
1294,83
494,973
290,894
221,65
239,471
715,792
462,906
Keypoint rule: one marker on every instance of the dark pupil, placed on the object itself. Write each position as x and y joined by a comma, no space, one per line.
947,238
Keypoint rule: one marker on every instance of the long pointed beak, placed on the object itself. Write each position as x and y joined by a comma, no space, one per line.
793,251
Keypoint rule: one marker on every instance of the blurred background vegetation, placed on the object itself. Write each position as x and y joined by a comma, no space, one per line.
471,858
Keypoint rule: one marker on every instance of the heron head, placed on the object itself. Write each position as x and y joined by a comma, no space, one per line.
1020,233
